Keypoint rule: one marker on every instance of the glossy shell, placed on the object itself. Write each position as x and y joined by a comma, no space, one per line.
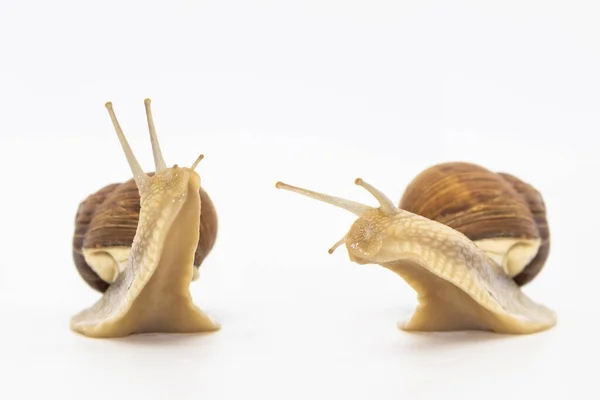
109,218
482,204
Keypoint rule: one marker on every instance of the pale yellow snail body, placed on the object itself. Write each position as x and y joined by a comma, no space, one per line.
458,284
151,293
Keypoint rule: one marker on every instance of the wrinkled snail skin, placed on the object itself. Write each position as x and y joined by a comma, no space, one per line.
105,225
151,294
458,286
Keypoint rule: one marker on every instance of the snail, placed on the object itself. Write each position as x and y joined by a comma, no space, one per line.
144,281
466,264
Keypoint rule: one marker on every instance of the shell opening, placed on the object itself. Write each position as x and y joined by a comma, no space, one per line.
107,262
512,254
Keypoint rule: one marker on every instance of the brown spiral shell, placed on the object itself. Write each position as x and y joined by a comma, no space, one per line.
110,217
481,204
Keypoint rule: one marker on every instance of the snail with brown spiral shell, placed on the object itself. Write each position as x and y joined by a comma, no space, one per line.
140,243
465,239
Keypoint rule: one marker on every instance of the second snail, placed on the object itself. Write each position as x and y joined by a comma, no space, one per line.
464,238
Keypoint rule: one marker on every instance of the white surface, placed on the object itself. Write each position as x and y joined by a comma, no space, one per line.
315,93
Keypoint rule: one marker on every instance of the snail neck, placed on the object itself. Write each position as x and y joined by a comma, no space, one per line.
174,251
442,305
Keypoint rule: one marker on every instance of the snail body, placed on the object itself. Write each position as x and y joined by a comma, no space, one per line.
458,284
150,291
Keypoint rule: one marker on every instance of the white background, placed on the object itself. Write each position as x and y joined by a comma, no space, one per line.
314,93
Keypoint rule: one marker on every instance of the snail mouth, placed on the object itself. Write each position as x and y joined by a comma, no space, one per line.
152,293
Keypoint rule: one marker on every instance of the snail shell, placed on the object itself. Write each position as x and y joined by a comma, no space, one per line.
502,215
105,226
